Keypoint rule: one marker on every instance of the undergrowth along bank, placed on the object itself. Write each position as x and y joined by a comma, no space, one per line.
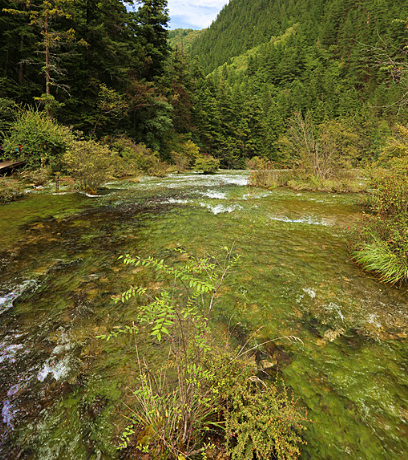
381,243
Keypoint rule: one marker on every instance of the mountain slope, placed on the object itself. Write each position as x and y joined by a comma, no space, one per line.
179,38
268,62
243,25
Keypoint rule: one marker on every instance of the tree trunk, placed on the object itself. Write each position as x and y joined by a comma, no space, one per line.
21,65
47,58
47,63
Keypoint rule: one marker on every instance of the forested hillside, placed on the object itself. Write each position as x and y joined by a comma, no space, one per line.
307,94
106,69
334,59
183,38
242,25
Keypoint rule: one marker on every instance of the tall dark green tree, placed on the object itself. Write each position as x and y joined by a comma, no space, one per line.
19,63
150,22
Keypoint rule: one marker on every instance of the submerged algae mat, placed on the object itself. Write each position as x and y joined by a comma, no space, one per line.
62,389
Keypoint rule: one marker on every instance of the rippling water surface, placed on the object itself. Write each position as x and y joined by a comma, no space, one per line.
61,388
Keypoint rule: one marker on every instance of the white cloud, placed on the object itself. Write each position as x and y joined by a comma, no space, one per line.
194,14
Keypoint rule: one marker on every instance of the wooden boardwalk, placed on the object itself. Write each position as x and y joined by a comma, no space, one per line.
9,166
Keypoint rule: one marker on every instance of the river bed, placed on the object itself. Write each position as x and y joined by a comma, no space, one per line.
61,388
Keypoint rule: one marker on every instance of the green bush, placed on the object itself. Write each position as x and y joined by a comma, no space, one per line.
381,244
89,163
207,164
180,161
131,159
395,147
190,151
40,138
10,189
259,418
196,387
158,168
390,189
37,177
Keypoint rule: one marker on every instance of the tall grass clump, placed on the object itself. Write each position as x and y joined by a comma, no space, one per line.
387,258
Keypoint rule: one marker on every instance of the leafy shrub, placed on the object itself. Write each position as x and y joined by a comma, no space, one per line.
390,195
190,151
89,163
174,400
185,155
158,168
134,158
38,176
259,419
42,140
180,160
207,164
10,189
196,387
395,147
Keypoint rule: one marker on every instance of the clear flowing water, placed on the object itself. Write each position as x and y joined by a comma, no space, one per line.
62,390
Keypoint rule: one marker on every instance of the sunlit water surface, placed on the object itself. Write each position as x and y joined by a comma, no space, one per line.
61,389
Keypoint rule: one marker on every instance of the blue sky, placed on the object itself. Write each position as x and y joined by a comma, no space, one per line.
189,14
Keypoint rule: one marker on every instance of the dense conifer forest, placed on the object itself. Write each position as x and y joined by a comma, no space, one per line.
95,65
183,38
107,69
338,60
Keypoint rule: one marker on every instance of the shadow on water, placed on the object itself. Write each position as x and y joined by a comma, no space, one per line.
62,389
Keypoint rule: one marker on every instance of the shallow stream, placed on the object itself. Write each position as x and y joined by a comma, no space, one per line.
61,388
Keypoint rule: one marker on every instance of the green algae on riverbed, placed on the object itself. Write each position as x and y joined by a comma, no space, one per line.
64,387
32,207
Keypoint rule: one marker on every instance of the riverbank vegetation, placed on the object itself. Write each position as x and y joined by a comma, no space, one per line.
382,243
320,157
199,398
316,92
267,176
10,189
